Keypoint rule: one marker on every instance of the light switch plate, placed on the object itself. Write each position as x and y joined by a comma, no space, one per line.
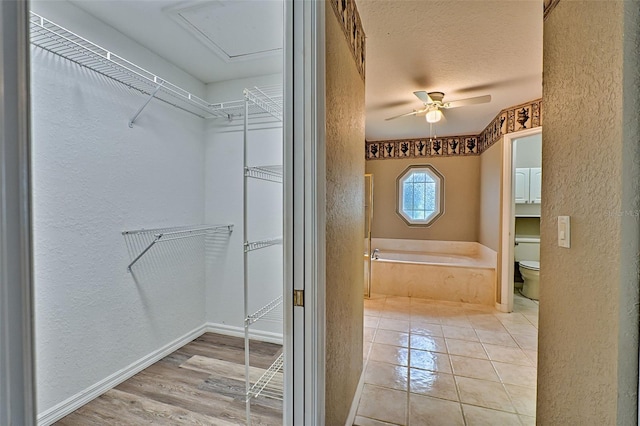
564,231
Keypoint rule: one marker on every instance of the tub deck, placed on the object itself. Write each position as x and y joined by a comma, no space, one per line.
455,272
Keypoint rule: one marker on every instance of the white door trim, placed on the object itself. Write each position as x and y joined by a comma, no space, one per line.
305,191
17,389
507,227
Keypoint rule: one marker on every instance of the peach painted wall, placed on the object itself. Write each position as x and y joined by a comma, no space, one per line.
345,223
588,338
461,199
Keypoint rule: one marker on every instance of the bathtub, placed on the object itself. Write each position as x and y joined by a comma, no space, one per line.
440,270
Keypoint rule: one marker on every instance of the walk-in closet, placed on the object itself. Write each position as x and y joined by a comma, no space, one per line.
157,167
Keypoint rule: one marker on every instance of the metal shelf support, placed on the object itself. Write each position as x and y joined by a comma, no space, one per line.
135,116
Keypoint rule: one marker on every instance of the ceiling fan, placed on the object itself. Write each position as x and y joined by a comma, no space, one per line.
433,105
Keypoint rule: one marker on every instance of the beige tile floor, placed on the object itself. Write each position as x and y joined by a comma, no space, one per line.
443,363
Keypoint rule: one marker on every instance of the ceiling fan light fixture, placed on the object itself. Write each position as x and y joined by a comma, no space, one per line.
433,116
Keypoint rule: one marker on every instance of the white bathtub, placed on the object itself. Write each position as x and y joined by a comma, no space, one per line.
440,270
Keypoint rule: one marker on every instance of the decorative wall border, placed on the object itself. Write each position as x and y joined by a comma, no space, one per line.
349,19
514,119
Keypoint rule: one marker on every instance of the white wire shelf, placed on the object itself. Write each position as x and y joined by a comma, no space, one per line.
272,311
268,99
268,173
56,39
141,241
260,244
270,385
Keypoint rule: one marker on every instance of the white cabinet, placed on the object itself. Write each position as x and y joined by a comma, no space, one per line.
521,184
535,185
527,185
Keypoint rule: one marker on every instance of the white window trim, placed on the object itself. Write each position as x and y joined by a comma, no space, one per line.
439,195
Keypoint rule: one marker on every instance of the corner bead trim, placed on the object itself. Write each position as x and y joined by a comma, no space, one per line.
514,119
349,20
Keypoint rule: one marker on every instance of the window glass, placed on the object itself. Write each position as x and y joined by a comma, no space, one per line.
420,195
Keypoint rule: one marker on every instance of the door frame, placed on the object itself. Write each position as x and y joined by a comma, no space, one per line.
507,225
369,201
305,189
17,389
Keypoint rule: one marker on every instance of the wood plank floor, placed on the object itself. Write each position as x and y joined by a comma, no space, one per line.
201,383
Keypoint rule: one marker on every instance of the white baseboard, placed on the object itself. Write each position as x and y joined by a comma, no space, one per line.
356,398
76,401
231,330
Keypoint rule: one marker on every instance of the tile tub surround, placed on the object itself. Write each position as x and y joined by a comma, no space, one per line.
434,362
454,271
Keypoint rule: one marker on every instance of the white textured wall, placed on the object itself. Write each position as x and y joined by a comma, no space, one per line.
94,177
588,340
224,204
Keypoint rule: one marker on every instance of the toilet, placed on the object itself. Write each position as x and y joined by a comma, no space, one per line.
530,271
527,254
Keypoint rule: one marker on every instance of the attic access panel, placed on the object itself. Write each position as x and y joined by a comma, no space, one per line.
235,30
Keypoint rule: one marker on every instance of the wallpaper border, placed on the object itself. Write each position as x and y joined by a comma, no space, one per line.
513,119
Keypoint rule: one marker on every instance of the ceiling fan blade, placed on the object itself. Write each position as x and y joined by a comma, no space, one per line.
424,97
401,115
469,101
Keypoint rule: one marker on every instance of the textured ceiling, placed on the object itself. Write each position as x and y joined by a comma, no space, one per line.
237,23
462,48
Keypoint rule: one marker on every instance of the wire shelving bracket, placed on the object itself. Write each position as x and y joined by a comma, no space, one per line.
161,235
260,244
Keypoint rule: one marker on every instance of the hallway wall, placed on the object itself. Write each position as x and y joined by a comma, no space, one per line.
588,342
345,223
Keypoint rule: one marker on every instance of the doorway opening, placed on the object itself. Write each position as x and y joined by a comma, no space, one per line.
508,222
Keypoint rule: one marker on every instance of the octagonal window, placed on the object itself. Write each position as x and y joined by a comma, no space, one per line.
420,195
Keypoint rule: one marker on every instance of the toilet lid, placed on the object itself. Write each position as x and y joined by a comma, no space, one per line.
530,264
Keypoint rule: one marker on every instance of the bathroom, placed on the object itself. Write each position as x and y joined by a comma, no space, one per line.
445,329
527,161
439,292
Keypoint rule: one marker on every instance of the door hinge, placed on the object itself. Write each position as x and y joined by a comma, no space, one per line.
298,297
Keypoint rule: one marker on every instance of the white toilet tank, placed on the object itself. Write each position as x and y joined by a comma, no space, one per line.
527,249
